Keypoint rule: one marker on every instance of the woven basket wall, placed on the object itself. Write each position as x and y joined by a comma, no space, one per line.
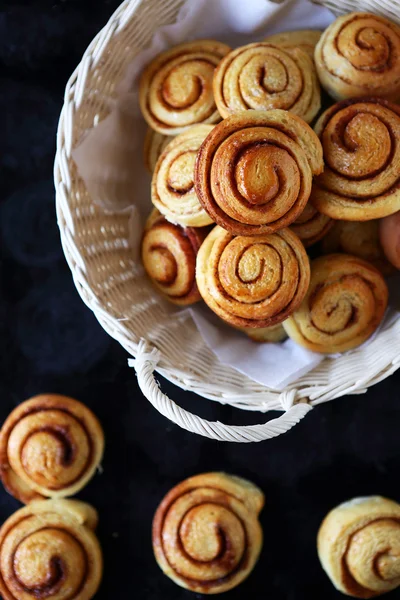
96,246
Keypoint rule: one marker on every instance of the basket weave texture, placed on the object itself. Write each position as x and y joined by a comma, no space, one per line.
114,286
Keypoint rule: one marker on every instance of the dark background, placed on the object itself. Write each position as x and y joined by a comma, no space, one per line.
50,342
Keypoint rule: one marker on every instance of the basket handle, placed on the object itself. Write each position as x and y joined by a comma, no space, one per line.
145,363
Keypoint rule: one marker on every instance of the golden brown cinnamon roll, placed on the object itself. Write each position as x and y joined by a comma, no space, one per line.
361,144
175,90
311,226
389,235
154,144
172,185
206,533
50,446
345,303
169,257
359,239
359,546
261,76
359,55
252,282
48,550
254,171
305,39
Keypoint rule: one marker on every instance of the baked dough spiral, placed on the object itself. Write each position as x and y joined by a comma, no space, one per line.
359,55
262,76
359,546
361,144
169,257
50,446
305,39
311,226
345,303
172,185
254,171
359,239
175,90
252,282
48,550
206,533
154,144
389,236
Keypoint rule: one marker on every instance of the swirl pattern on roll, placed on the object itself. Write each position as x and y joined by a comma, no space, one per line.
361,145
169,257
50,446
345,303
262,76
48,550
305,39
254,171
175,90
359,546
311,226
359,239
206,533
359,55
172,185
252,282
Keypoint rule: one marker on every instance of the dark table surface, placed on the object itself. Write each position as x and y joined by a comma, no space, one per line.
50,342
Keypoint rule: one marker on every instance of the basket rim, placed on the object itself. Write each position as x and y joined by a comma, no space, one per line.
73,95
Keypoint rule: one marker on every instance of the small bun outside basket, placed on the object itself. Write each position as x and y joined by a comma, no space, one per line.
114,286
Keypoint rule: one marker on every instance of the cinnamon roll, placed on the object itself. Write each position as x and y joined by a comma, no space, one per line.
206,533
154,144
359,239
359,55
169,258
50,446
254,171
175,90
359,546
262,76
389,236
172,185
311,226
305,39
48,549
361,144
345,303
252,282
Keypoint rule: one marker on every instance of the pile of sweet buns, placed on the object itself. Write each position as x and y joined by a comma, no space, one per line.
207,538
50,447
250,176
206,532
241,187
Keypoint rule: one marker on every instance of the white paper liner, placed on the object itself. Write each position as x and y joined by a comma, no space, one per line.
272,365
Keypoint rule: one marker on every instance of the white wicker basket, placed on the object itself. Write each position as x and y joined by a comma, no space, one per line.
96,246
